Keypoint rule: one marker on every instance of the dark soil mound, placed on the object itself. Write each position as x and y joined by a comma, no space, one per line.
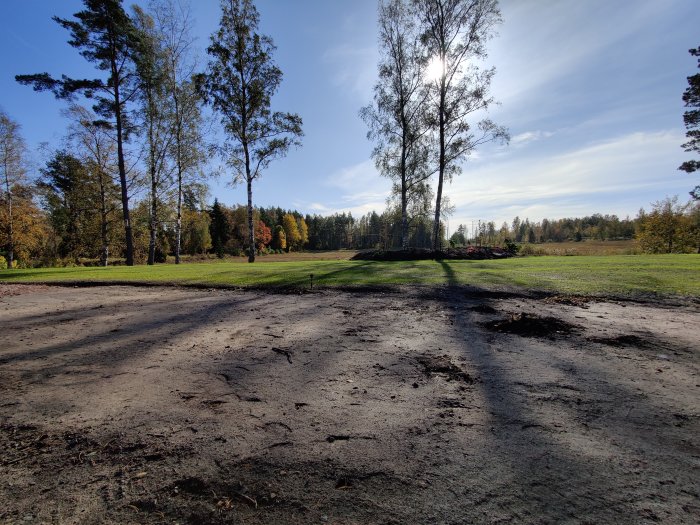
442,365
569,300
414,254
528,325
623,341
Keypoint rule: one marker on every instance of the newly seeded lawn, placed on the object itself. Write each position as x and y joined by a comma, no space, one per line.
591,275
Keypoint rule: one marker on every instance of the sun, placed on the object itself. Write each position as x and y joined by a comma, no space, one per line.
435,69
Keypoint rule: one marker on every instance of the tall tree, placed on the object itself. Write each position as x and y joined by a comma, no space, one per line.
454,33
239,83
13,172
396,119
69,202
669,228
95,144
105,35
691,118
173,19
291,231
218,228
152,70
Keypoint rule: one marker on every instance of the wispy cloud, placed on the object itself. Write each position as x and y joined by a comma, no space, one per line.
529,136
529,66
616,172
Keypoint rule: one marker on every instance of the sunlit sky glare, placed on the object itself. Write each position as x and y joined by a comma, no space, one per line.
590,91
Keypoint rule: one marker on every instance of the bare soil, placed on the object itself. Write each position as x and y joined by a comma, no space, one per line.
431,405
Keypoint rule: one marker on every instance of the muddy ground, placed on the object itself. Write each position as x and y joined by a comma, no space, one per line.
432,405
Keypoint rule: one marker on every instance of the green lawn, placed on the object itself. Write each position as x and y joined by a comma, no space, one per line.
592,275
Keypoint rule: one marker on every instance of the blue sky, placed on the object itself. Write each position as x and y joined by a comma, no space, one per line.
591,93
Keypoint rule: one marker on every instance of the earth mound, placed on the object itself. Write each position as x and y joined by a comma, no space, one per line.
414,254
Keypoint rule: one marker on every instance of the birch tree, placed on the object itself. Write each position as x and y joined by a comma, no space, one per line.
173,20
396,118
152,70
454,34
239,83
13,152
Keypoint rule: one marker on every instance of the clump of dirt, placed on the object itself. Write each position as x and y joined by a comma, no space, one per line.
622,341
529,325
443,366
413,254
569,300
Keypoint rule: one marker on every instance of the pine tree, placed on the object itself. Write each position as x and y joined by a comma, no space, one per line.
218,229
691,118
105,35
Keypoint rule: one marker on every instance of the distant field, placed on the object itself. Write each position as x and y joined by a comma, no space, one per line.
594,275
326,255
630,247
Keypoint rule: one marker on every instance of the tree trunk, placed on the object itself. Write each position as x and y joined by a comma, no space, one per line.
11,239
104,228
251,231
178,159
178,225
153,226
404,199
437,241
122,171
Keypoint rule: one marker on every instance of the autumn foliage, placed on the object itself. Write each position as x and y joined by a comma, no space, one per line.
263,235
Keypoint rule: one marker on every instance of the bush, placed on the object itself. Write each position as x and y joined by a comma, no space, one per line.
530,249
511,247
15,264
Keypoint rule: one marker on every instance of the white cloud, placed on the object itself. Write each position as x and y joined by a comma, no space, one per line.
616,172
529,136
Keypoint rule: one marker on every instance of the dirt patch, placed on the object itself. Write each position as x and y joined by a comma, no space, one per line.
623,341
8,290
442,365
530,325
161,405
569,300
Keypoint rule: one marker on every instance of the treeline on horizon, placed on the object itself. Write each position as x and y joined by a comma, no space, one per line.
59,222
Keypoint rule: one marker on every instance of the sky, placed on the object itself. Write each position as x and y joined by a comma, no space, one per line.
590,92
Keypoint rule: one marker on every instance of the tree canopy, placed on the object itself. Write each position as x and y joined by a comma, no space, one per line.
239,83
691,119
